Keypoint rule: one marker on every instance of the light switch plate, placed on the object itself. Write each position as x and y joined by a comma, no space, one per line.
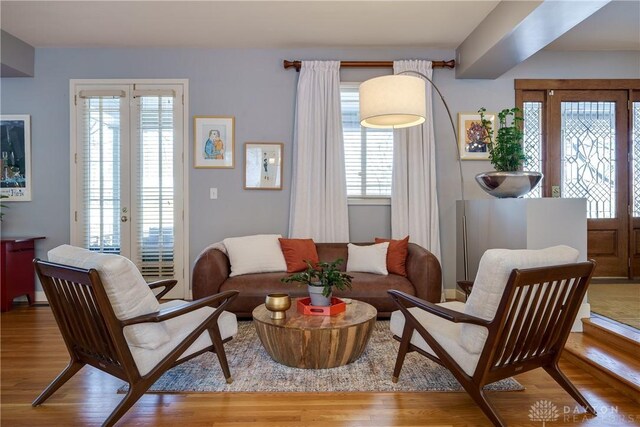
213,193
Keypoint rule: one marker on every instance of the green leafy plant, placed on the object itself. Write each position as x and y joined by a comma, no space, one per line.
506,153
325,274
3,207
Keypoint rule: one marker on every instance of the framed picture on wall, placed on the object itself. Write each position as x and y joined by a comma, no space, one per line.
213,145
15,169
263,165
472,136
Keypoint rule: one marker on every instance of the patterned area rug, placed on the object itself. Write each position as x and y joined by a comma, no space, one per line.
254,371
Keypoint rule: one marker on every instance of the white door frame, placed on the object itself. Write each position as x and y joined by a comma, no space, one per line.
181,154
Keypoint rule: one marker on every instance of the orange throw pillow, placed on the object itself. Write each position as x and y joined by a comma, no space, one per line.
297,251
396,255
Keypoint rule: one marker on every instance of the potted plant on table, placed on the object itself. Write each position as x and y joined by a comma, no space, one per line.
507,156
320,280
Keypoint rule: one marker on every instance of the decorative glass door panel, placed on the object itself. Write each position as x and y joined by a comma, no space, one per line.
587,158
533,114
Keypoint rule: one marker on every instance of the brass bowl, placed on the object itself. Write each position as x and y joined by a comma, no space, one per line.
278,304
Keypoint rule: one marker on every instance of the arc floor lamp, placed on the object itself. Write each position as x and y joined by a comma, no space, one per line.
399,101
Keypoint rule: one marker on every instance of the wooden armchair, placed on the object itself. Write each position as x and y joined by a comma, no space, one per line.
137,347
515,320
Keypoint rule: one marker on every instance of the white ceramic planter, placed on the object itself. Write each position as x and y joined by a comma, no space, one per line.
317,299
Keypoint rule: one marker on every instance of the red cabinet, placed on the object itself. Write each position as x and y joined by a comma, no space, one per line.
17,274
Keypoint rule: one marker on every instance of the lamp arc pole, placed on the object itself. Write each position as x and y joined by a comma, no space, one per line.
465,251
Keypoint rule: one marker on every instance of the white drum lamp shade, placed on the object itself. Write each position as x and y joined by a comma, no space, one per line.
392,102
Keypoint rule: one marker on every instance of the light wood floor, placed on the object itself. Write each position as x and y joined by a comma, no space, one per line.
617,301
32,354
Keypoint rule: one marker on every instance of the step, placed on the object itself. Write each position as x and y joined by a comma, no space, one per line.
610,364
617,334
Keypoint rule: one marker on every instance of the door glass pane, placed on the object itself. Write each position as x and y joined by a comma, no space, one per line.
100,124
588,139
155,187
532,114
635,138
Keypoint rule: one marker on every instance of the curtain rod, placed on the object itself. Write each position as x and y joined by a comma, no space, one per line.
370,64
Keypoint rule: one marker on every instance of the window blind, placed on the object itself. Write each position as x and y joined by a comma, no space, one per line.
154,234
100,136
368,152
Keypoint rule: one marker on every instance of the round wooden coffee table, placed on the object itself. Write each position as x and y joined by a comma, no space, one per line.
316,342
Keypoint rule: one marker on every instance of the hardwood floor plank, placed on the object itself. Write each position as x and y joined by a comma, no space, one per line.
32,354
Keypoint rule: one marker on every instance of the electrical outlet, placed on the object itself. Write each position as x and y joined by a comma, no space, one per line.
213,193
555,191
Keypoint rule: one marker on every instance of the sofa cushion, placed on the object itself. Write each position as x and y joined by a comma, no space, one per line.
127,290
297,251
255,254
368,259
396,255
491,280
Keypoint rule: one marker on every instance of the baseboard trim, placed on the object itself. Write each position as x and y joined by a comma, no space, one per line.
41,297
454,294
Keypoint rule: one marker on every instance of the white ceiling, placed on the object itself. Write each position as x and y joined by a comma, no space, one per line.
287,24
614,27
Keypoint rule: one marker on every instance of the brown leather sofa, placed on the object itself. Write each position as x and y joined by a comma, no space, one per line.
424,276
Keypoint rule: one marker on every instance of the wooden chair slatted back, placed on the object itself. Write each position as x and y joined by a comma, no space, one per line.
84,315
535,316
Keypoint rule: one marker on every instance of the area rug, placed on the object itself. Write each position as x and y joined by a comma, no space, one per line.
253,370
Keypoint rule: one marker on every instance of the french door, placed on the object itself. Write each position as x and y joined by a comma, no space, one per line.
587,150
127,175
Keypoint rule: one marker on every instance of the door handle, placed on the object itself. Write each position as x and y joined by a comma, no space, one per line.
124,218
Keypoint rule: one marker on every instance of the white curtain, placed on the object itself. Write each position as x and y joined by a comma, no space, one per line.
414,199
319,189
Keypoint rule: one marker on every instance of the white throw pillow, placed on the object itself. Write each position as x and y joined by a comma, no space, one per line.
255,254
368,259
491,280
128,293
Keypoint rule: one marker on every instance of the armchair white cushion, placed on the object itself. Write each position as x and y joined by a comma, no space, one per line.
129,294
178,329
446,333
462,341
490,282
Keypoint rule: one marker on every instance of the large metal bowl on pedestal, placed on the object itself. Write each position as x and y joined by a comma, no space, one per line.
508,184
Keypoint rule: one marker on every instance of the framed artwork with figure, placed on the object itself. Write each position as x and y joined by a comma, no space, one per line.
263,165
472,137
213,142
15,169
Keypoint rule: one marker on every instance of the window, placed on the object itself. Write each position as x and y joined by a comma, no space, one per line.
368,152
128,193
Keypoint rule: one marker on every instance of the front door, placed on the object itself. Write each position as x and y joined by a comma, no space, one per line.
588,158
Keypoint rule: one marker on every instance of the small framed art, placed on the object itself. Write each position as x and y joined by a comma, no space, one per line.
263,166
15,169
213,142
472,136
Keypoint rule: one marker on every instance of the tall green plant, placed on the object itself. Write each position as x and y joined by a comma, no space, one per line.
506,153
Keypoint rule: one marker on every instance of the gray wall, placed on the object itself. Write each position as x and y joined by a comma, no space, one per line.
252,86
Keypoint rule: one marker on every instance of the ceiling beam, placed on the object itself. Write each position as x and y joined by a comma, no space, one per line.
514,31
16,56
